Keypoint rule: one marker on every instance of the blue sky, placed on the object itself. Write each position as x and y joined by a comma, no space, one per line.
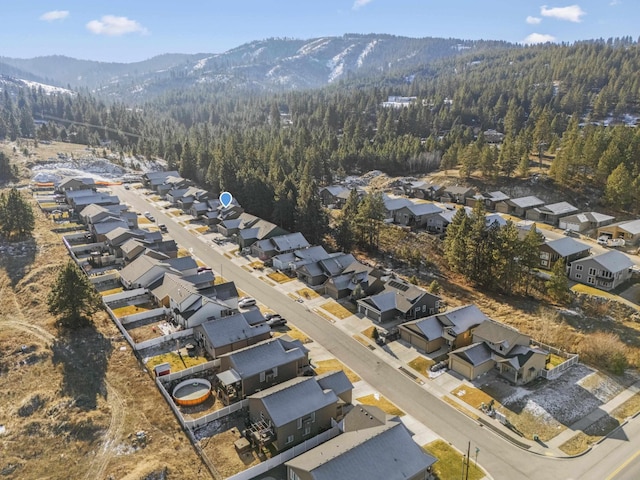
133,30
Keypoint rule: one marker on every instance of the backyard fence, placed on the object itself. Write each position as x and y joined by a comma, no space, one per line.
154,342
555,372
286,455
210,417
143,318
189,371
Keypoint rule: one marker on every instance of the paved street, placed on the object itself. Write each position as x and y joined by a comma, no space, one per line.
502,459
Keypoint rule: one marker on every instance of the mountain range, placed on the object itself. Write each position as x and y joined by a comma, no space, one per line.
271,64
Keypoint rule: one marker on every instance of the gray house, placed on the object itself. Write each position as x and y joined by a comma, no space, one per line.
552,213
416,215
270,247
226,334
260,366
518,206
605,271
317,273
567,249
296,410
585,221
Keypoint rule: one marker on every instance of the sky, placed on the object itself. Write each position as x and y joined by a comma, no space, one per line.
134,30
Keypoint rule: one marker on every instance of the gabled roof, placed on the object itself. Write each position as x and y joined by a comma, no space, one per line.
612,261
334,190
463,318
430,327
234,328
88,181
632,227
265,355
392,204
456,190
561,208
475,354
526,202
294,399
497,333
291,241
419,209
336,381
587,217
105,227
336,265
496,196
567,246
385,452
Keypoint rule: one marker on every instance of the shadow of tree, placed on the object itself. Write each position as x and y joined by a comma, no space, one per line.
17,257
84,356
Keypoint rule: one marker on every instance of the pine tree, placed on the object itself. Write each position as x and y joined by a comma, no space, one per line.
311,218
455,243
72,298
558,284
618,192
16,216
369,219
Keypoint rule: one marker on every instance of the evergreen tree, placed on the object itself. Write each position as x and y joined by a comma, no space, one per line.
558,284
16,215
455,243
618,192
72,298
311,218
369,219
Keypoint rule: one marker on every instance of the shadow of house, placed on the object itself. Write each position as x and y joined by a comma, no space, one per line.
84,357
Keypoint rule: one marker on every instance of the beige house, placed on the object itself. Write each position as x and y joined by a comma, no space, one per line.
502,347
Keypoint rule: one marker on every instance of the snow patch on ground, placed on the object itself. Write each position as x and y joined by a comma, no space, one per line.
314,46
367,50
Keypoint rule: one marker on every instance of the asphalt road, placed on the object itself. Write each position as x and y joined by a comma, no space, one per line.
503,460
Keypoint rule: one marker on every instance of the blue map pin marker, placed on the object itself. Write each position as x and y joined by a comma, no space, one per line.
225,199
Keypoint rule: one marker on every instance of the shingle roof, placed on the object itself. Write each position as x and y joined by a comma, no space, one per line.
385,452
612,261
462,318
497,333
497,196
336,381
265,355
587,217
475,354
234,328
392,204
430,327
294,399
633,227
291,241
527,202
567,246
419,209
561,208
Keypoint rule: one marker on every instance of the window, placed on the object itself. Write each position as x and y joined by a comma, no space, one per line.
292,475
262,376
579,268
578,276
544,263
544,255
592,271
307,430
290,439
591,280
299,423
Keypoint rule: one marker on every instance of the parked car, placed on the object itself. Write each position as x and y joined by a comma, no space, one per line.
126,186
162,227
246,302
571,233
276,321
204,269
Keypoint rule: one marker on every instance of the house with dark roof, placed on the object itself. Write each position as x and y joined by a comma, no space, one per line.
73,184
231,226
551,213
334,195
456,194
567,249
281,244
398,299
292,260
499,346
605,271
356,280
380,452
153,179
260,230
416,215
581,222
317,273
100,230
452,328
393,204
229,333
519,206
260,366
291,412
146,270
629,231
491,199
190,196
172,183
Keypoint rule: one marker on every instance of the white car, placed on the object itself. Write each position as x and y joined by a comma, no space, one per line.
245,302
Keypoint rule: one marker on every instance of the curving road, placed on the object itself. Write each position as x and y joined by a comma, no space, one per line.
503,460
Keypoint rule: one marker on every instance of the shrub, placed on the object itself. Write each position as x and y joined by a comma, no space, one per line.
605,350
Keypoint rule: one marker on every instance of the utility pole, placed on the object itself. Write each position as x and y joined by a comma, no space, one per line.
468,459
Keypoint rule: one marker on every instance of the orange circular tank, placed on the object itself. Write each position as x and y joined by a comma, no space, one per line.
192,392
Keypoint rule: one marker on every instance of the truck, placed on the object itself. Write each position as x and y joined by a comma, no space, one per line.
610,242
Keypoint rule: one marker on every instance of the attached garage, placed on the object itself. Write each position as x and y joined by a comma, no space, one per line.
471,361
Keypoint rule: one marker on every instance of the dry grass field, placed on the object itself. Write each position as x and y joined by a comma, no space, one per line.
382,403
332,365
335,309
73,403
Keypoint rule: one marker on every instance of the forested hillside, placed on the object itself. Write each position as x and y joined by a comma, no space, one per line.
269,148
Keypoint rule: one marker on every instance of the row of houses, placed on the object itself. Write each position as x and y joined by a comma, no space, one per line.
403,211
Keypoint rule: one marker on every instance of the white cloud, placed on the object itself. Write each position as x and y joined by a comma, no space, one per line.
613,3
360,3
538,38
115,26
54,15
572,13
533,20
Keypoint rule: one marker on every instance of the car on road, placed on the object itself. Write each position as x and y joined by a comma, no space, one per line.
246,302
162,227
571,233
276,321
126,186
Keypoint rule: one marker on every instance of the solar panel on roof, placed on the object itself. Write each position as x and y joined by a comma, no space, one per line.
399,286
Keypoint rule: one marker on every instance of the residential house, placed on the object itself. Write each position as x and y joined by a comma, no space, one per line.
79,199
291,412
452,328
145,270
230,227
416,215
456,194
499,346
430,192
191,195
317,273
552,213
398,299
98,213
493,137
439,222
229,333
100,230
153,179
581,222
472,201
605,271
293,260
259,230
567,249
333,195
393,204
260,366
198,208
357,280
134,247
518,206
395,101
72,184
384,452
270,247
491,199
172,183
628,230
